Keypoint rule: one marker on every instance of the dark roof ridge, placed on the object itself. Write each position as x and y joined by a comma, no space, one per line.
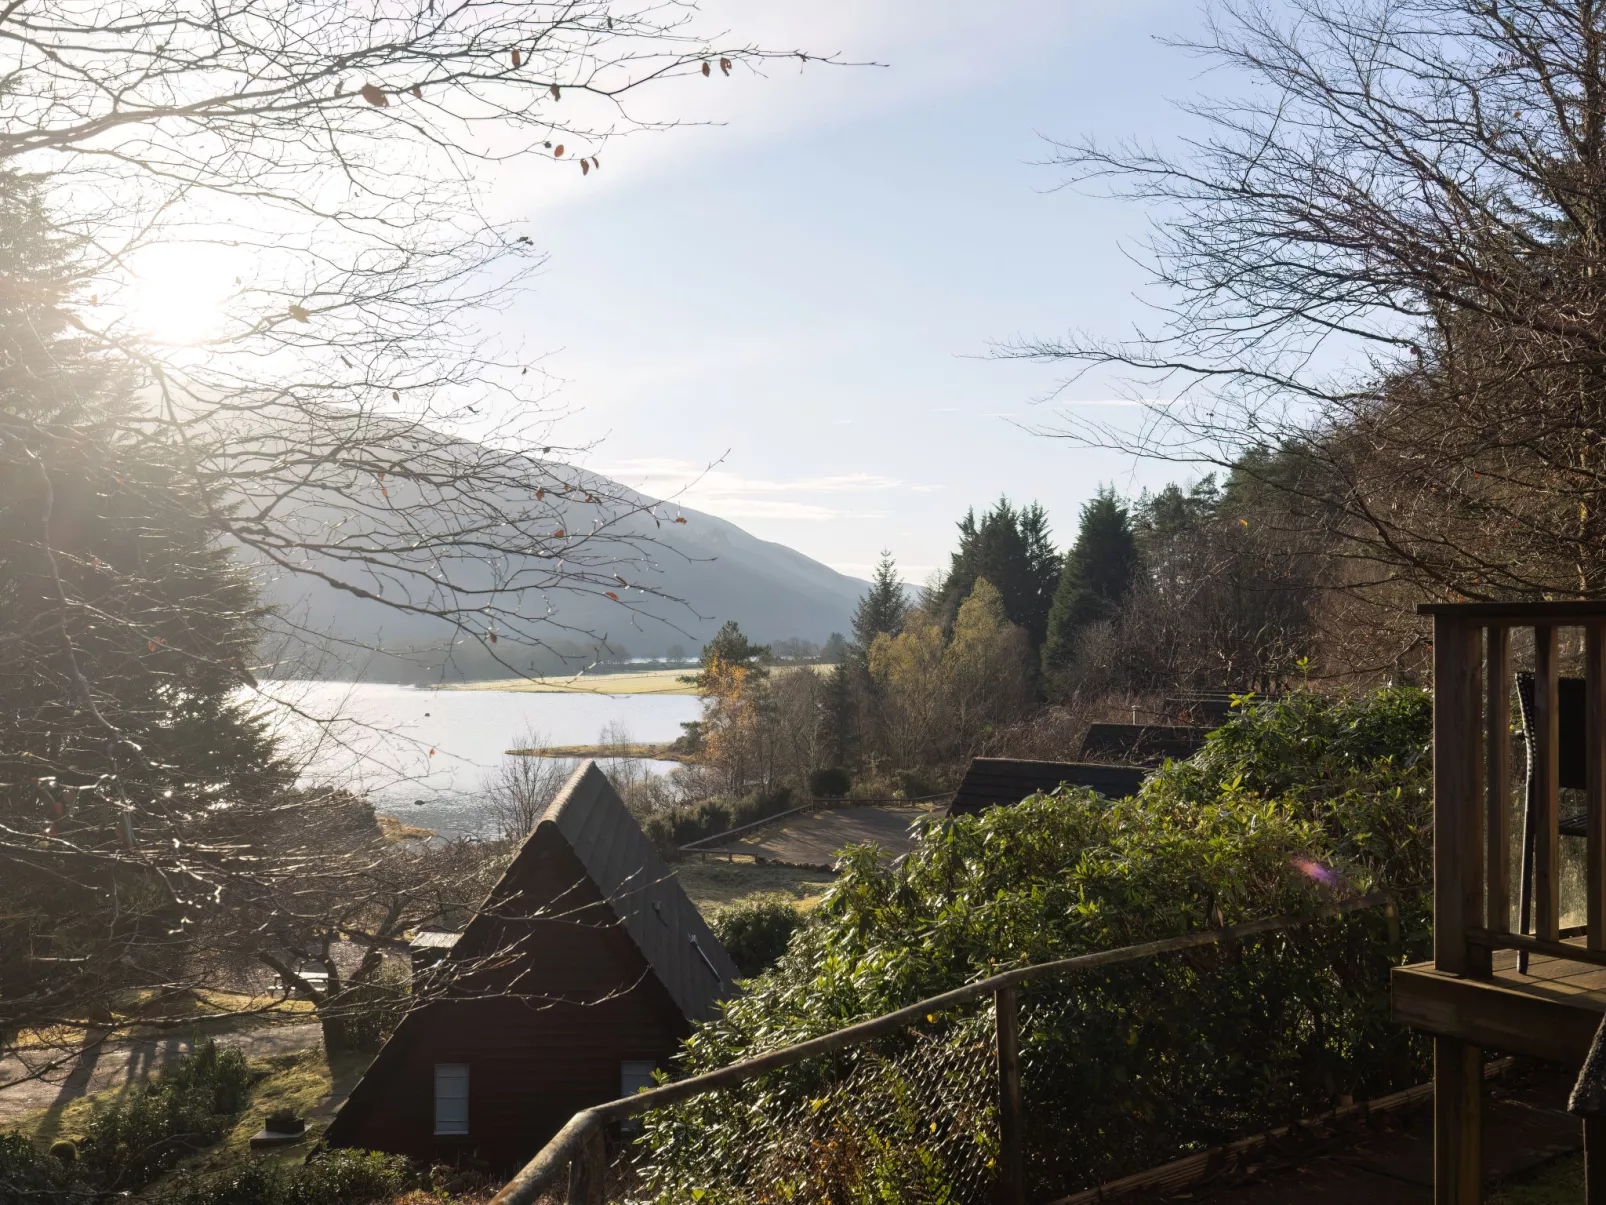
642,891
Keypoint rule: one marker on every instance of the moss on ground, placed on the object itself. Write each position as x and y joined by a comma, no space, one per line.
1558,1183
715,882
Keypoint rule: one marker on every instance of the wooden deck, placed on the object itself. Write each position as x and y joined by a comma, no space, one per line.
1552,1012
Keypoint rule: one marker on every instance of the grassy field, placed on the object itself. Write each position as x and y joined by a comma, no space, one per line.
656,752
302,1081
712,882
647,682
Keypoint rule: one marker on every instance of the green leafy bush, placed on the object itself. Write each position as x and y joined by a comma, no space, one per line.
755,930
28,1176
340,1177
187,1106
369,1011
1289,805
831,783
674,827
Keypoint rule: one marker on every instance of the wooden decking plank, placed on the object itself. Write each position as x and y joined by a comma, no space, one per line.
1551,1013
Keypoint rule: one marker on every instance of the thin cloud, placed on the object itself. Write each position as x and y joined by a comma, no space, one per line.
737,497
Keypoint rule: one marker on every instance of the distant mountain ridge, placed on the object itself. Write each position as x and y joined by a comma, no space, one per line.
719,571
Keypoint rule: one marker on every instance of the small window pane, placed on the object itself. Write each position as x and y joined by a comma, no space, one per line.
451,1098
634,1075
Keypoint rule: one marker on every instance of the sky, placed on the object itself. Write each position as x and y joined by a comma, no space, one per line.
784,316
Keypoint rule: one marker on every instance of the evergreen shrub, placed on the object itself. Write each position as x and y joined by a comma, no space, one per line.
755,930
674,827
833,783
1290,805
185,1107
31,1177
339,1177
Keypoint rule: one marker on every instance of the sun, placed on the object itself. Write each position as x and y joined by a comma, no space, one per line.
179,293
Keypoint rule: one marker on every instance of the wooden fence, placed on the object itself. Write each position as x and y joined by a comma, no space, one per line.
580,1147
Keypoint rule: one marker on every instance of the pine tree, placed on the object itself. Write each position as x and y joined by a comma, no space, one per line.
1097,574
883,608
730,647
128,763
1011,549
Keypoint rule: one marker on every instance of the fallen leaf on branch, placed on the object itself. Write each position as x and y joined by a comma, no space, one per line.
418,92
725,66
680,518
300,313
517,60
585,167
557,92
375,96
557,151
707,70
611,595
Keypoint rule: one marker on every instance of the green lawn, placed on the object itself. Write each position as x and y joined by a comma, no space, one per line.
1558,1183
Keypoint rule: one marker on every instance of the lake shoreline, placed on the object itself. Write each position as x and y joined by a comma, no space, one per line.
646,682
662,752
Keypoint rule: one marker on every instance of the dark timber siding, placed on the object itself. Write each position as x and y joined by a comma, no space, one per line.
587,1000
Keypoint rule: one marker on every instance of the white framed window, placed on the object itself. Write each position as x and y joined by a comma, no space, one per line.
451,1098
634,1075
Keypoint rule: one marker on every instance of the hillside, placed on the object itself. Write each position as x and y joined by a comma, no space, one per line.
688,578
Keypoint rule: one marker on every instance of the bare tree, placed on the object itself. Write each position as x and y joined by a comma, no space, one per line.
1383,266
338,154
522,787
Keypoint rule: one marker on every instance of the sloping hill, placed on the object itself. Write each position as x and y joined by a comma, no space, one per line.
686,579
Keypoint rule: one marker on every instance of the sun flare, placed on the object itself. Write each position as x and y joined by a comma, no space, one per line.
179,293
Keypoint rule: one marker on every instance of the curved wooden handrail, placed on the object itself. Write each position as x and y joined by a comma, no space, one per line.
538,1174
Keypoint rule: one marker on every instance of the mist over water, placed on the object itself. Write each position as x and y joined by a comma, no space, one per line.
381,743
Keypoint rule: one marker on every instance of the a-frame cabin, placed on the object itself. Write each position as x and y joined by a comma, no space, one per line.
581,973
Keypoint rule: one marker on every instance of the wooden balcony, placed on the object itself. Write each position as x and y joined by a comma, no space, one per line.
1473,997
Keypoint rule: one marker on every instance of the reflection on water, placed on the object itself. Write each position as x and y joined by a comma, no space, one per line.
422,755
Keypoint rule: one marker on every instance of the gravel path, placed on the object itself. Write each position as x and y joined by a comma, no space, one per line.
812,838
113,1063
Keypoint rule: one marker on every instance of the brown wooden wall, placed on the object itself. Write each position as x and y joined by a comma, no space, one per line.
532,1064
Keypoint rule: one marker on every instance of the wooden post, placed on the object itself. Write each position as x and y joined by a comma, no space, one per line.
1547,792
1011,1153
1497,778
1457,793
1457,1122
1595,792
1595,1161
588,1172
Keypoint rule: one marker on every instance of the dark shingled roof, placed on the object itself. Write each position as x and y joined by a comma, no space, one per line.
626,867
1147,744
1003,781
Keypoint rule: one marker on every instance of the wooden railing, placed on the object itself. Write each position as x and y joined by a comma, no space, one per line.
580,1149
1472,796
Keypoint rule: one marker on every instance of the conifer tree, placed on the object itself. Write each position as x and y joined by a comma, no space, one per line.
1011,549
1097,574
884,607
129,765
